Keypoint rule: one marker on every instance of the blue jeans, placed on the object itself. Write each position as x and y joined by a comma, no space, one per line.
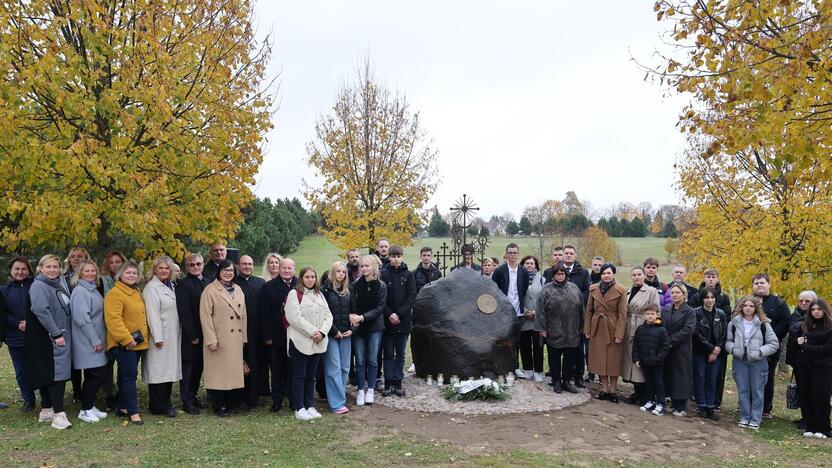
18,355
751,378
337,370
128,372
366,358
704,381
394,349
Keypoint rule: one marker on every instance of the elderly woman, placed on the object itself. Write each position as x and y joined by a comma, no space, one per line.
530,344
604,325
126,320
48,340
309,321
15,295
680,320
271,266
90,336
639,296
794,357
222,313
558,321
162,364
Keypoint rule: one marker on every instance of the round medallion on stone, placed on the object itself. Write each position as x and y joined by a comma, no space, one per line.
487,304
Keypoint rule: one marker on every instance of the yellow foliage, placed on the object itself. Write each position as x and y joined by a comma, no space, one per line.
139,120
595,241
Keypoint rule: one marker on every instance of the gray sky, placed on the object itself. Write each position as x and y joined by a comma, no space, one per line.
524,100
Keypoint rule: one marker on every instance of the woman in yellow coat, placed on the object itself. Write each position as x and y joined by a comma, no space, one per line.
222,311
606,318
124,315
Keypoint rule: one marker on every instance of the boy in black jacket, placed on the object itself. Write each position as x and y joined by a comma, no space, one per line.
401,295
651,345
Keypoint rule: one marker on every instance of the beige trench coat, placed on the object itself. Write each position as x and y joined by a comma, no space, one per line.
224,321
165,364
645,296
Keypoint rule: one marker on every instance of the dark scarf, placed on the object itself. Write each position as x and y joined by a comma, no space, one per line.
531,277
168,283
633,291
228,286
604,287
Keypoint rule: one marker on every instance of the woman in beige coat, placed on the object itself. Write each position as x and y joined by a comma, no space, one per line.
606,317
222,311
162,364
639,296
309,321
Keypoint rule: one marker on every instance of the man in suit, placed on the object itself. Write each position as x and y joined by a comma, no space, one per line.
270,303
251,285
188,294
513,281
216,254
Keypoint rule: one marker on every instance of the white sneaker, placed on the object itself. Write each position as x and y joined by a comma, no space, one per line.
303,415
538,377
313,412
820,435
808,434
412,368
370,397
98,413
520,374
647,406
88,416
359,398
680,414
60,421
46,415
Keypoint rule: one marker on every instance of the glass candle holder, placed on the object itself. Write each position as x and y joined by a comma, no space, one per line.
454,379
501,379
429,380
509,379
440,380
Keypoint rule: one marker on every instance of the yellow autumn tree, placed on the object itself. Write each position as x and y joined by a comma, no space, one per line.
377,169
135,121
759,169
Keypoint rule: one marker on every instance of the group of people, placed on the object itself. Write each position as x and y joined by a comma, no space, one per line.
245,336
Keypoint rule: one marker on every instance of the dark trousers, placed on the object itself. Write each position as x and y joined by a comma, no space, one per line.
654,384
720,378
52,396
815,390
90,385
128,372
320,380
580,357
281,374
394,348
159,394
228,399
263,366
251,389
564,372
304,369
768,395
18,355
531,351
76,384
799,372
189,385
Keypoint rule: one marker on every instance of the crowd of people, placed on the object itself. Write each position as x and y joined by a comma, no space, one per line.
287,336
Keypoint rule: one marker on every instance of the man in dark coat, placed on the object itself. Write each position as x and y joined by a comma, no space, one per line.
216,254
353,270
711,280
778,313
270,303
426,272
383,251
251,285
401,296
188,293
679,272
595,274
579,276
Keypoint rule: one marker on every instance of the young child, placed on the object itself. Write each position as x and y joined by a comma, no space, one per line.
651,345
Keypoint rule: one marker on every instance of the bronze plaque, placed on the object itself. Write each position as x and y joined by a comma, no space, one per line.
487,304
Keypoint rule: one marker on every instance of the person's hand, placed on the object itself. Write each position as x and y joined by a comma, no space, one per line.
717,350
195,341
711,357
801,340
317,337
21,325
131,345
356,319
159,344
618,340
586,335
61,342
346,334
638,364
212,347
394,319
542,334
338,336
268,342
528,314
98,348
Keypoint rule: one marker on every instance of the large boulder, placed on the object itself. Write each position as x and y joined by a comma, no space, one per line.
463,325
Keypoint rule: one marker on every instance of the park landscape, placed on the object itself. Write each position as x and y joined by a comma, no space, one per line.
159,128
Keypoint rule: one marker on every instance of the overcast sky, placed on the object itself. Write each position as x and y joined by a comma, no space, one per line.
524,100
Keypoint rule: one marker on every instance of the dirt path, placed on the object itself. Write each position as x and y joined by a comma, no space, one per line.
612,431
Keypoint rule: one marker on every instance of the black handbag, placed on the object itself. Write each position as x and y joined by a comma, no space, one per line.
792,397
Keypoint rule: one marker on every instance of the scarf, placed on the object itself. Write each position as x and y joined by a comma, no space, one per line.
168,283
531,277
229,286
655,283
604,287
633,291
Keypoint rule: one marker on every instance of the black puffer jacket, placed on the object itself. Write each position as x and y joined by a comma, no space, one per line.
817,350
339,306
368,299
722,301
794,356
401,295
424,276
711,331
651,344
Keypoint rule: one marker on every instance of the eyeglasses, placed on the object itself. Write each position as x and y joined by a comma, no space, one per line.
228,270
804,300
195,264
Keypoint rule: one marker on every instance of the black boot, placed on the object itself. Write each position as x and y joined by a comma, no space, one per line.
556,385
388,389
570,388
579,382
398,389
